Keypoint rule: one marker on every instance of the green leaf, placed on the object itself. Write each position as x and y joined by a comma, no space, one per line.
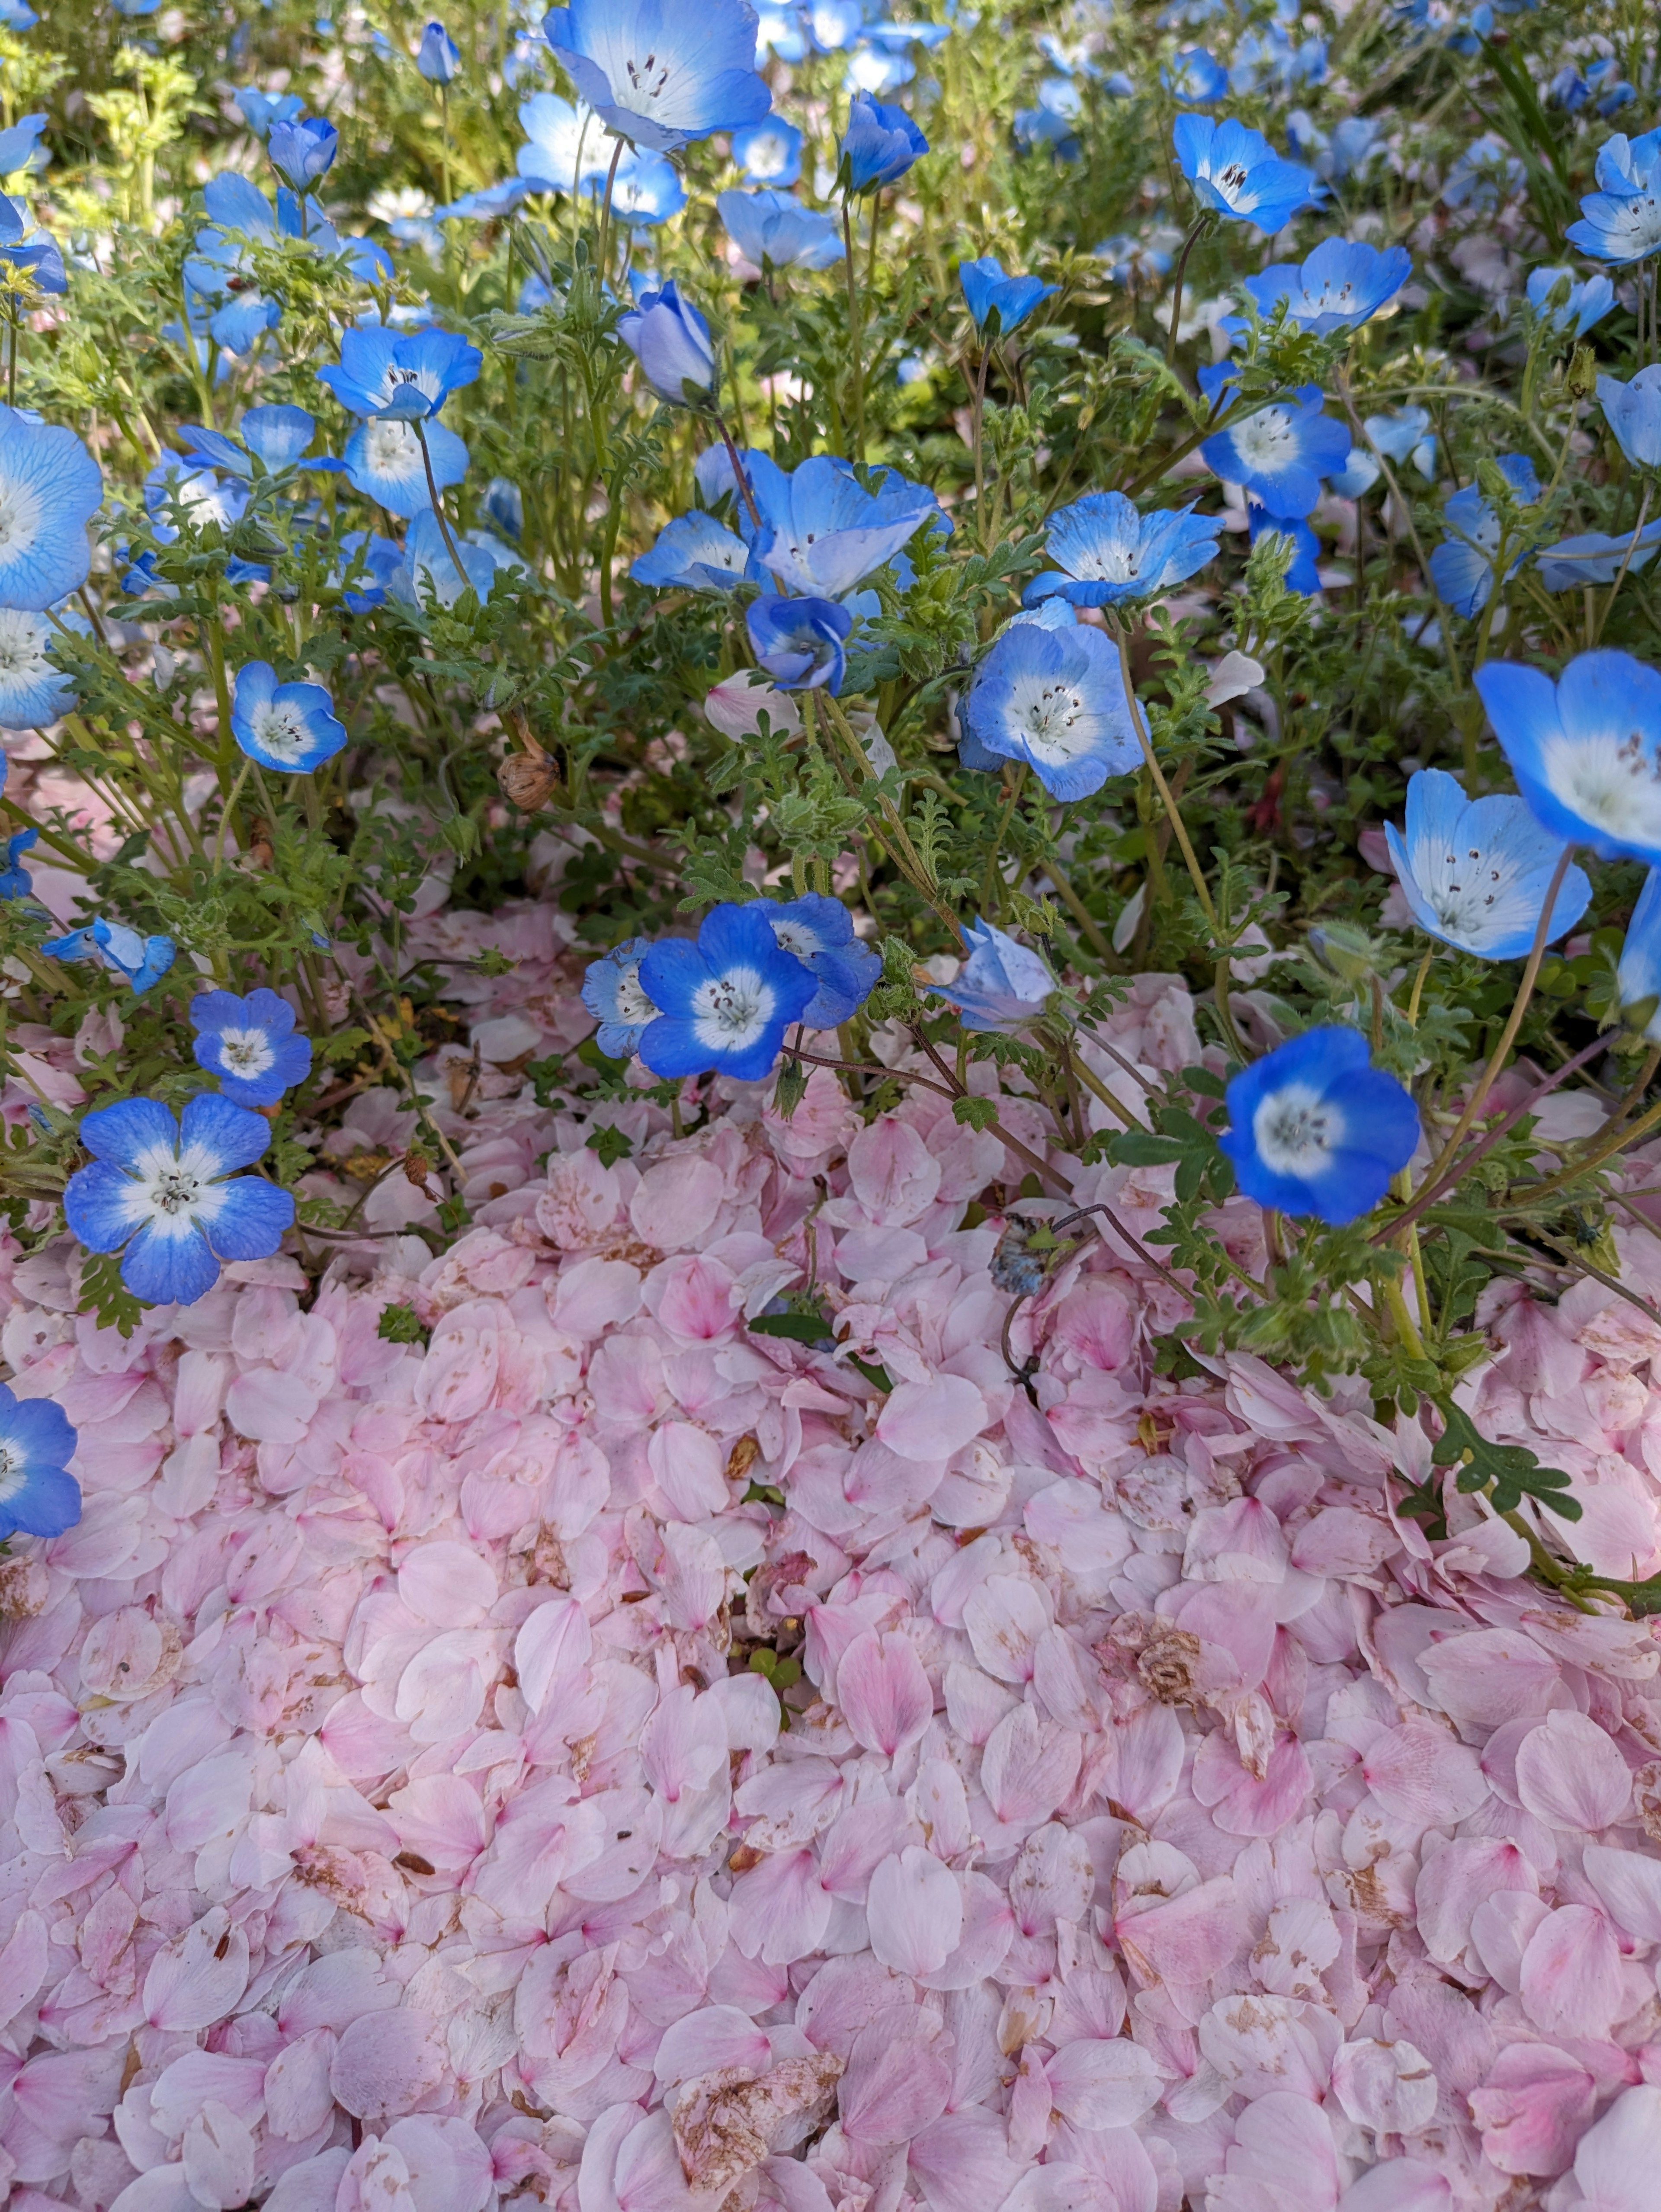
798,1328
612,1144
790,1090
975,1113
401,1325
1504,1473
105,1295
1141,1148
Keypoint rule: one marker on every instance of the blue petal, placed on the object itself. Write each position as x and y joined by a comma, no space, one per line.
230,1135
97,1205
253,1219
123,1132
169,1268
47,1504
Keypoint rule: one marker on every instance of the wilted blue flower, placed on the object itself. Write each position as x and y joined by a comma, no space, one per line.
1585,750
1475,872
33,692
670,340
391,377
438,58
249,1044
820,932
1595,558
614,995
822,532
774,228
1621,222
49,490
39,1497
1110,553
140,960
1638,977
1056,699
291,727
800,641
1237,173
662,75
1314,1128
990,293
1461,567
725,1002
693,553
769,152
1301,574
1280,453
879,146
383,461
1002,984
1633,411
1583,302
302,149
1343,284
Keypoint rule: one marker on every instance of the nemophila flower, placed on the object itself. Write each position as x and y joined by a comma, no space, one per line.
49,490
822,532
39,1497
272,439
1301,574
1485,175
1461,567
20,147
438,57
504,503
613,994
820,932
1621,222
566,144
29,248
426,571
779,30
249,1044
1053,125
492,200
388,375
363,568
693,553
1633,411
1343,284
800,641
879,146
1566,304
997,302
662,75
1405,434
1314,1128
769,152
1237,173
1585,750
671,341
725,1003
260,110
772,228
157,1192
17,16
1142,261
876,70
1638,976
33,692
139,961
291,727
646,189
1196,77
1280,454
1108,553
834,24
1475,872
302,149
15,881
1001,986
1056,699
1596,558
383,461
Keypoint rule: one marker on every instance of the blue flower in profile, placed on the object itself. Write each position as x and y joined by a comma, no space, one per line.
771,228
504,503
1638,976
879,146
438,57
302,149
15,881
249,1044
166,1194
387,376
1056,699
693,553
1621,222
670,340
1475,872
1315,1128
1594,558
383,461
426,572
49,490
20,147
1280,453
1196,77
1237,173
725,1003
290,726
1585,750
822,532
17,16
1108,553
820,932
364,568
271,440
1343,284
491,201
33,691
1633,411
998,303
27,246
661,76
1001,986
139,961
769,152
39,1497
613,994
1568,305
260,110
566,145
1461,567
1302,575
647,189
800,641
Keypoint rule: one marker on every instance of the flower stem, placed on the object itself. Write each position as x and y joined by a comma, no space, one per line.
438,504
855,334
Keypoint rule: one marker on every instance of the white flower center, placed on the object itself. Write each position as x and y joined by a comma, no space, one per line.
1044,710
647,77
633,1006
732,1011
393,449
14,1471
281,728
1611,782
22,646
246,1052
19,518
796,937
173,1195
1265,442
1296,1130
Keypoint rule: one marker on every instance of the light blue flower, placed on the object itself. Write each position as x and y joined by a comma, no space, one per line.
291,727
800,641
771,228
693,553
504,503
1475,872
28,247
661,73
387,376
302,149
1237,173
1302,575
822,532
20,147
383,461
260,110
1134,260
157,1192
1056,699
873,70
1633,411
249,1044
1621,222
1585,750
438,58
820,932
139,961
363,568
1001,986
1486,173
1196,77
999,303
879,146
566,145
15,881
1280,453
1638,977
493,200
39,1497
670,340
49,490
428,572
1406,434
725,1002
1314,1128
1053,125
1108,553
1594,558
220,269
33,692
1461,567
1583,302
646,189
612,992
17,16
769,153
272,439
179,496
834,24
1343,284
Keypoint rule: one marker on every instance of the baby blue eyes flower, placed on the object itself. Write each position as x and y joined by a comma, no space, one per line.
1302,574
383,461
260,110
1594,558
1461,567
37,1495
879,146
1633,411
250,1045
302,149
1109,554
426,571
290,726
998,302
1314,1128
772,227
769,153
612,993
1586,750
1475,872
670,340
800,641
1280,453
139,961
1237,173
1056,699
661,76
157,1192
273,439
820,932
1196,77
1621,222
15,881
438,57
27,248
1001,986
822,531
725,1003
33,692
1567,304
1343,284
693,553
566,145
49,490
1638,977
385,375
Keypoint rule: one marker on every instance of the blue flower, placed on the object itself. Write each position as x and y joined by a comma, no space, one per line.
260,110
1196,77
1475,872
20,147
302,149
438,58
426,571
49,490
33,692
388,376
1461,567
156,1187
370,562
492,200
28,247
670,340
1621,222
769,153
1314,1128
822,532
1638,977
17,16
879,146
1586,750
140,960
566,145
1237,173
1280,453
272,439
1133,260
1002,984
661,73
1405,434
835,24
800,641
1301,574
383,461
820,932
779,31
15,881
725,1002
991,293
1486,173
504,503
38,1496
646,189
1108,553
1582,304
612,992
1593,558
290,726
773,227
250,1045
693,553
1633,411
1056,699
1343,284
